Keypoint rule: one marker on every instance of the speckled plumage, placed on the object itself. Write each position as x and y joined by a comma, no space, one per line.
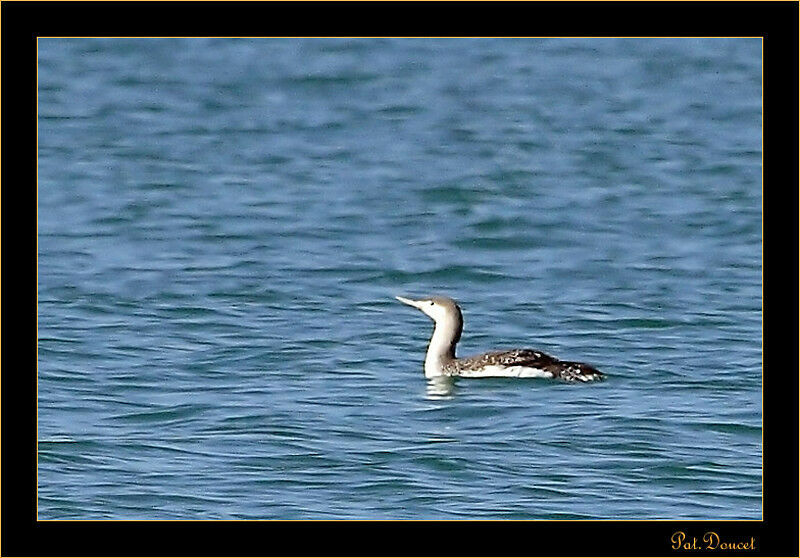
524,358
441,360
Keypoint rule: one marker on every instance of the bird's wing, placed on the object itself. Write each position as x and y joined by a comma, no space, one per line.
516,357
530,358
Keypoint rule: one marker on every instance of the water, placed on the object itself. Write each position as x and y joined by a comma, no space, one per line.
223,224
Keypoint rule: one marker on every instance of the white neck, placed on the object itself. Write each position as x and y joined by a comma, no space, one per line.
441,349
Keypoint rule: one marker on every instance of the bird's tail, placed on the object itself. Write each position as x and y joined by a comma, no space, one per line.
579,372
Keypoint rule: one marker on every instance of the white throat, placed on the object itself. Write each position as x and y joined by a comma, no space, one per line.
441,349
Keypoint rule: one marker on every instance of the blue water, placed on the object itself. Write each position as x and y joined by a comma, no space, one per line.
223,224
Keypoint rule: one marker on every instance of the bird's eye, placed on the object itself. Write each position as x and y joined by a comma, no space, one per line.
431,303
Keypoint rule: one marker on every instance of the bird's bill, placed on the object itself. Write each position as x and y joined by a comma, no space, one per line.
414,303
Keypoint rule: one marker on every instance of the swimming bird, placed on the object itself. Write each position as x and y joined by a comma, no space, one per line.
441,359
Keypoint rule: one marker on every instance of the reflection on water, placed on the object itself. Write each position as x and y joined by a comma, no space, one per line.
440,388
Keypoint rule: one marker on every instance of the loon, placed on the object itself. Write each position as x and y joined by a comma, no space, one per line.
441,358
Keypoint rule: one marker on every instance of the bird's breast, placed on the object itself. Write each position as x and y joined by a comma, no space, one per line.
495,371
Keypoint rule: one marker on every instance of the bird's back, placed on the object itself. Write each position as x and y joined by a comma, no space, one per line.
521,363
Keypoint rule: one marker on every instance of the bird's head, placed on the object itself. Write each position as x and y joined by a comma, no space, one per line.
440,309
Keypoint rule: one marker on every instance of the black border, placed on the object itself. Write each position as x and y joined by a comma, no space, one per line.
22,22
